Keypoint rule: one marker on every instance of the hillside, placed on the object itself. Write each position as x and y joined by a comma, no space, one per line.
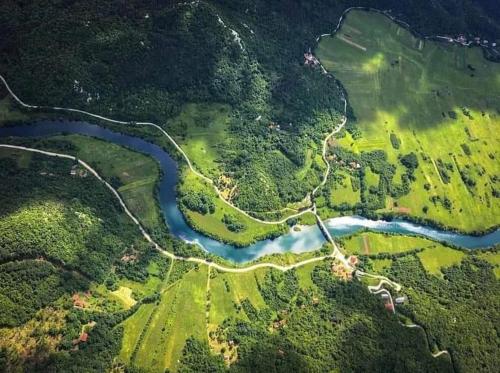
147,61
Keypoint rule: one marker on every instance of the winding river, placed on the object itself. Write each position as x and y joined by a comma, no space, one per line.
308,239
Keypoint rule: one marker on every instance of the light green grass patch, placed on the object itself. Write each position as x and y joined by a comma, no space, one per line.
201,131
434,259
132,329
180,314
304,275
371,178
244,285
124,295
396,87
343,192
223,300
370,243
379,265
304,170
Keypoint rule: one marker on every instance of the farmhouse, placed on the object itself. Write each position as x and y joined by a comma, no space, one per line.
310,59
400,300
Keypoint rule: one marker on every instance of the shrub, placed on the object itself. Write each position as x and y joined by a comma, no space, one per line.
232,223
395,141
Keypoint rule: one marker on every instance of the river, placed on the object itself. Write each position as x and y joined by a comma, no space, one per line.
308,239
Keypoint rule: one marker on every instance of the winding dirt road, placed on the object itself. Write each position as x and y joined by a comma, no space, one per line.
148,237
170,138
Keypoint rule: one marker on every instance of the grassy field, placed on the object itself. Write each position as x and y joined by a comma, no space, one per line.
133,328
434,256
201,130
304,275
124,295
212,223
439,100
380,264
434,259
228,290
376,243
157,332
343,191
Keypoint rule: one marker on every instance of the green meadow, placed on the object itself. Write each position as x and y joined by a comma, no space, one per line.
343,192
370,243
379,265
155,335
227,290
441,101
202,131
434,259
433,255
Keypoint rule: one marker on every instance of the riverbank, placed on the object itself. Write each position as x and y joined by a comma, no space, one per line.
307,240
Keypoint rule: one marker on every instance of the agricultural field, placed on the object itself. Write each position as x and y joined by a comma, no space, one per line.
433,255
155,335
436,258
379,265
227,290
439,101
371,243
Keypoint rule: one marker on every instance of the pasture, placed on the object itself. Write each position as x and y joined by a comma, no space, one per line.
434,259
227,291
155,335
371,243
202,130
443,103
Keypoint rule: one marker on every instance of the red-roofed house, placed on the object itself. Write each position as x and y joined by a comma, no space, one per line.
83,337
